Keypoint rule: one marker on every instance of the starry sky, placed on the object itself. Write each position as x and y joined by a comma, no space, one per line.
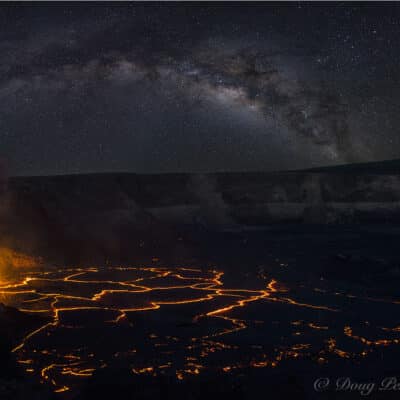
196,87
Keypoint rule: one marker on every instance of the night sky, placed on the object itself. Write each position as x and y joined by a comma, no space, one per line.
192,87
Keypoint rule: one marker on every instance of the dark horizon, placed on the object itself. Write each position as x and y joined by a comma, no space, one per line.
370,167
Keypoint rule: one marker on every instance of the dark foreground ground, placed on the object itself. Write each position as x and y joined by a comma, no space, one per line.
290,286
352,269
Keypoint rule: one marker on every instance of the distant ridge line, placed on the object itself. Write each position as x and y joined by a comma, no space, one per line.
375,167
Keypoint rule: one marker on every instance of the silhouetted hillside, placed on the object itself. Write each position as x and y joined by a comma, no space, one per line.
378,167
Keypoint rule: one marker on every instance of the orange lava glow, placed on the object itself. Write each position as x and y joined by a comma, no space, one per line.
10,259
119,296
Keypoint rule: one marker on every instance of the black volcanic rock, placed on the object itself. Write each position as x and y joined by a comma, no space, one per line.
14,324
90,218
85,218
14,384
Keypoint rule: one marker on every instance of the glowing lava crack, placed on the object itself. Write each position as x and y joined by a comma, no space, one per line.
178,321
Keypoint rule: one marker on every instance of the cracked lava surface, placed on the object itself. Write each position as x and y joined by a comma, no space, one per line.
185,321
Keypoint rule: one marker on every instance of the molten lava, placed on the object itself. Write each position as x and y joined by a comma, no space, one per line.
171,320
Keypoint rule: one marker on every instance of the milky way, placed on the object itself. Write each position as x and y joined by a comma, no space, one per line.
161,88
